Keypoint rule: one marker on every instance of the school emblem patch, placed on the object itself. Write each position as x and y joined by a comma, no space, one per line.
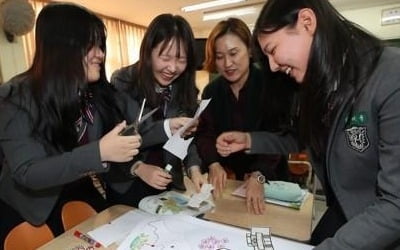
357,138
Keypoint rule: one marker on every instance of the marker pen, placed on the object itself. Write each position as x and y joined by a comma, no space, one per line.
87,238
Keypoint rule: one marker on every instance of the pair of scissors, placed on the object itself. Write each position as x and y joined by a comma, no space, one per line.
133,128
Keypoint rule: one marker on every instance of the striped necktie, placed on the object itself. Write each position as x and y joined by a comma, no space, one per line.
85,118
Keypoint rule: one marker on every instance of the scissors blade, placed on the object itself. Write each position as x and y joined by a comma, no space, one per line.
139,117
146,116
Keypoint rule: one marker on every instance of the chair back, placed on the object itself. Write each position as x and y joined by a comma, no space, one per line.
75,212
27,237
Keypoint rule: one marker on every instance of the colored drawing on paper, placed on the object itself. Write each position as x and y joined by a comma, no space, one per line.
213,243
156,235
180,232
173,204
138,242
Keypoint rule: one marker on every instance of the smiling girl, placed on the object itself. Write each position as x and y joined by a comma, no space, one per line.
165,76
53,118
349,118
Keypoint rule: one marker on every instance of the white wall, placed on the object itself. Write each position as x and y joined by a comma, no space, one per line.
370,19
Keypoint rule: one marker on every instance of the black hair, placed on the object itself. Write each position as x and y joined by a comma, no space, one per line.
57,80
163,29
342,57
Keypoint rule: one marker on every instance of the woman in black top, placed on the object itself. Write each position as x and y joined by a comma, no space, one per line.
239,99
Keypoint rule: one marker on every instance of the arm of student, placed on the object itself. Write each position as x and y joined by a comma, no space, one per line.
217,177
32,165
154,176
197,178
192,158
192,163
378,225
273,143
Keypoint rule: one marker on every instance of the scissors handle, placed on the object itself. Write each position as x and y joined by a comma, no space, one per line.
131,129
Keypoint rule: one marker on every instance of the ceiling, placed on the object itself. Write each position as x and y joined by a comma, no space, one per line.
143,11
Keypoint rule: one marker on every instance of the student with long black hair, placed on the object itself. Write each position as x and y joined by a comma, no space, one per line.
165,76
349,119
53,118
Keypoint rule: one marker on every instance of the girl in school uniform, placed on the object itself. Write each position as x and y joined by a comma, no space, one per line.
60,122
349,119
165,76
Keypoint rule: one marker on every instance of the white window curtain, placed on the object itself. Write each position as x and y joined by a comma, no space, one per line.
123,41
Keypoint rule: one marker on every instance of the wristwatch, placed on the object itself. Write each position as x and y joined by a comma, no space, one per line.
258,176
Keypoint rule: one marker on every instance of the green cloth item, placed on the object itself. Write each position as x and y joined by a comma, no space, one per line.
284,191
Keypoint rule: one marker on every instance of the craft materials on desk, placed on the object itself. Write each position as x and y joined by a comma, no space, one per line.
86,238
172,202
145,231
117,229
282,193
204,195
180,232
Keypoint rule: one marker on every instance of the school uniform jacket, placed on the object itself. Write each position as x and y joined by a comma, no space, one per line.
124,79
33,175
362,161
31,180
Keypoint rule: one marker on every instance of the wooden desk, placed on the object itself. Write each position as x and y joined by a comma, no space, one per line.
68,241
284,222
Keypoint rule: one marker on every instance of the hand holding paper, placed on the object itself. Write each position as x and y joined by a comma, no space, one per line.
197,198
177,145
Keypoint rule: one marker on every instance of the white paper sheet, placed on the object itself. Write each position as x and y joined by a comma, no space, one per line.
197,198
146,231
119,228
177,145
180,232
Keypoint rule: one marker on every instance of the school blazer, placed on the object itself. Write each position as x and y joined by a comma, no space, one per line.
123,79
362,160
119,177
32,176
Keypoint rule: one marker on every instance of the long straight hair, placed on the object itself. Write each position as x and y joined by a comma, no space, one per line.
163,29
64,35
342,56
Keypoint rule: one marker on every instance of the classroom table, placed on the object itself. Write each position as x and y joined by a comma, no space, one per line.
284,222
